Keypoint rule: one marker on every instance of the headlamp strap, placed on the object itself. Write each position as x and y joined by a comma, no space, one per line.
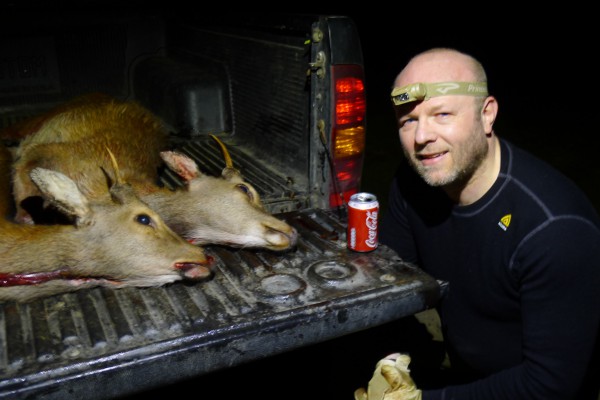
425,91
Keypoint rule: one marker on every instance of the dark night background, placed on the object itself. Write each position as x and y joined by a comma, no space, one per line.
542,75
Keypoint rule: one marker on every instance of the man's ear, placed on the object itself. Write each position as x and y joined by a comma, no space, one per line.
489,111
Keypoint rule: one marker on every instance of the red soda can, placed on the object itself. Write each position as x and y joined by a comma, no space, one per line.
363,211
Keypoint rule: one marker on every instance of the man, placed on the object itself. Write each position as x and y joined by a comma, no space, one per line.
517,242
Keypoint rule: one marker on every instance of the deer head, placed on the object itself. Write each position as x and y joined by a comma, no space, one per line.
220,210
116,242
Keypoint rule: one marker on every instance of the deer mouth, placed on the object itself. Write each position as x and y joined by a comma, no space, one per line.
196,271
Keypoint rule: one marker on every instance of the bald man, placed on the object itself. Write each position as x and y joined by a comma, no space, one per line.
517,242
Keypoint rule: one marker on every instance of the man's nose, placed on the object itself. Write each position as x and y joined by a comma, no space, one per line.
424,132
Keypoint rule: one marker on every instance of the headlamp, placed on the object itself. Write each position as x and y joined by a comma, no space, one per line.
425,91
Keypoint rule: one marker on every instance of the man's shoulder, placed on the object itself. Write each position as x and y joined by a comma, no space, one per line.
544,183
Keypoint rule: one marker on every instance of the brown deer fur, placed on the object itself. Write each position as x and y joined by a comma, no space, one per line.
208,210
114,241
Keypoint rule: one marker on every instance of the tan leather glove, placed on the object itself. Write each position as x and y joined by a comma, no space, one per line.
391,381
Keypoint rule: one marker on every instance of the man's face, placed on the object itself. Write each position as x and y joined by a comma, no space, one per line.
443,138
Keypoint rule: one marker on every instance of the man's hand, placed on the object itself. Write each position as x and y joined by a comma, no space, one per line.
391,381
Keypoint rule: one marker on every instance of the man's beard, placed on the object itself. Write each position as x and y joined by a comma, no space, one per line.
467,158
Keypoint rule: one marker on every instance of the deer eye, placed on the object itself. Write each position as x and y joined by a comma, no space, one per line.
244,189
143,219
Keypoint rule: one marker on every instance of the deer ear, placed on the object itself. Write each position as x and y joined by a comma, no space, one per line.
60,191
181,164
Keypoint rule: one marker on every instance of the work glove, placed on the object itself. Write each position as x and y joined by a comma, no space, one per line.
391,381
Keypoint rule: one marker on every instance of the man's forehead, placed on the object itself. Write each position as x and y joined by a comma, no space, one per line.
433,105
442,66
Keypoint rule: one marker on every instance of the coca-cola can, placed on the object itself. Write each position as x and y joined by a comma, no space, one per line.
363,212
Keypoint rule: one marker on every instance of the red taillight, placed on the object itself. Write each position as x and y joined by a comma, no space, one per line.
348,131
350,101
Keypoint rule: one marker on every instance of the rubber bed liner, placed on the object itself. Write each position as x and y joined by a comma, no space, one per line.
101,343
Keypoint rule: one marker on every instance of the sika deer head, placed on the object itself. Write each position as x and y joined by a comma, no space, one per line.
225,210
116,243
208,210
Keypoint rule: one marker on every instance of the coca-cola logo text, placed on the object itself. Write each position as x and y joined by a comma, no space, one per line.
371,222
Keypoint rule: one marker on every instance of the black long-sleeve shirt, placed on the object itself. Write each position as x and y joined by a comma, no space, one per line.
521,316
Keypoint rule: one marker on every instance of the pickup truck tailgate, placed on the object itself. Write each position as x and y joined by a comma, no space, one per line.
102,343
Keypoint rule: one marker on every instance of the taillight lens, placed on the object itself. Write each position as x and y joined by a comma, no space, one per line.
348,131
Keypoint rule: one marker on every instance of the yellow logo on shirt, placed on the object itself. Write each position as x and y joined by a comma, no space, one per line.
505,221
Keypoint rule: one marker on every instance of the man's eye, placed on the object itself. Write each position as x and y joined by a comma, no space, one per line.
404,122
